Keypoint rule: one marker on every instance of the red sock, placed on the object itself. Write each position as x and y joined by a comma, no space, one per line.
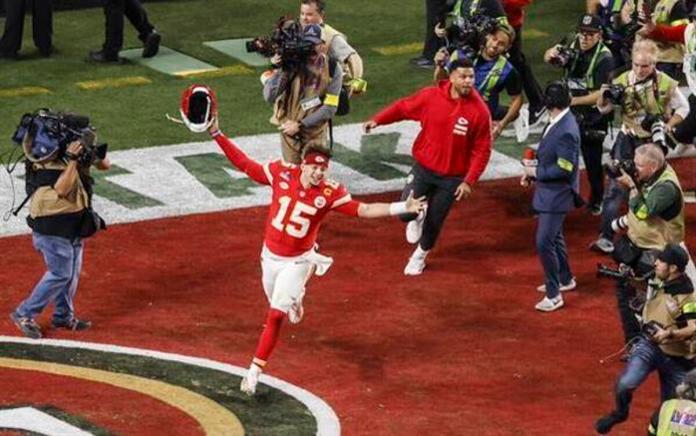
269,336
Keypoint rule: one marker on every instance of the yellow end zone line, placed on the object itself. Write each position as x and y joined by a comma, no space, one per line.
116,82
212,417
391,50
23,91
232,70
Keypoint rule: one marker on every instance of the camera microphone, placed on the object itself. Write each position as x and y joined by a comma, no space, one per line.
529,158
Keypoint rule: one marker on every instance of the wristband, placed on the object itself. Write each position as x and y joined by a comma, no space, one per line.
397,208
215,133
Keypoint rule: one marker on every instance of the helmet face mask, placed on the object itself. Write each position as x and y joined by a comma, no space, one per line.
198,108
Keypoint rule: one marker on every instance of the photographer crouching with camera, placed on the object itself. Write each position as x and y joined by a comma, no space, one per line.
651,105
305,89
588,64
60,150
666,341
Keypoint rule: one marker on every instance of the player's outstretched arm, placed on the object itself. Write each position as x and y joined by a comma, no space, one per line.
235,155
377,210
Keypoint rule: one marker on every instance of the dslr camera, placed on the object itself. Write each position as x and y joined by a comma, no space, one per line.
615,94
51,133
656,126
287,41
469,34
650,328
566,54
614,167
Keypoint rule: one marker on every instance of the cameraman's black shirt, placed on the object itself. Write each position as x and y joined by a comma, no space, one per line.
602,70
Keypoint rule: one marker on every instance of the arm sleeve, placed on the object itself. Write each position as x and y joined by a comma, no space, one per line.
678,103
668,33
328,109
566,162
349,208
275,86
481,150
407,108
340,49
513,83
252,168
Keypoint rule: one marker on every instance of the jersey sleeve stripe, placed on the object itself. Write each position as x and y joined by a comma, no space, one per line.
267,170
341,201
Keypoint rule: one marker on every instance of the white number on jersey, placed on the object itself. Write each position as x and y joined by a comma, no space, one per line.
297,225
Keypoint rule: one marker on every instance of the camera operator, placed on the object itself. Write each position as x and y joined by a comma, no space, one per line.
683,407
666,13
642,93
305,95
666,343
60,217
588,64
655,218
615,33
312,12
494,73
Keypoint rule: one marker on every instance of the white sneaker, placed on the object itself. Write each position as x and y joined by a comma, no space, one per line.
415,266
414,228
249,382
572,284
549,304
521,124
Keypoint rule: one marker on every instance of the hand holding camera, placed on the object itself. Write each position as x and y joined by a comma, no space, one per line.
74,150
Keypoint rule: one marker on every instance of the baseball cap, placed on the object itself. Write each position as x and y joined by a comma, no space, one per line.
312,33
674,254
590,23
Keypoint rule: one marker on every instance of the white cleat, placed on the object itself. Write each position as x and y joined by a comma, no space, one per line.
414,228
549,304
571,285
249,382
415,266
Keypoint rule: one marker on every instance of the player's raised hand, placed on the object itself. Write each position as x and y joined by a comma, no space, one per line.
214,126
415,205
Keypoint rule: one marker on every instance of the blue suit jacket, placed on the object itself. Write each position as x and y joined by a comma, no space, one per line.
558,182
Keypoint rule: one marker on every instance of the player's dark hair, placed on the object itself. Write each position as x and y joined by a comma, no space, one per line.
461,63
314,149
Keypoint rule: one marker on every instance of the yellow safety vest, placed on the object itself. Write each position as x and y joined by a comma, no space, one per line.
640,100
677,417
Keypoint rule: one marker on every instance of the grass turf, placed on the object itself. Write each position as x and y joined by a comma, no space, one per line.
132,117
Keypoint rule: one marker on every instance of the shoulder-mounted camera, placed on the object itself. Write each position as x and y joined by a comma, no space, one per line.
287,40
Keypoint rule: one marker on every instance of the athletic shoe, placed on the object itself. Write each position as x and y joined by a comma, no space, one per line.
414,228
151,44
537,115
28,326
73,324
602,245
102,57
415,266
549,304
521,124
572,284
296,313
605,423
249,382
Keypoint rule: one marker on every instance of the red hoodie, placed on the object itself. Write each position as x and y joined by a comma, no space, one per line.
514,9
455,136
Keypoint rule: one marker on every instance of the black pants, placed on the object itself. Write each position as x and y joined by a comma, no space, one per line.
591,145
42,25
518,60
114,11
625,293
434,10
685,132
440,192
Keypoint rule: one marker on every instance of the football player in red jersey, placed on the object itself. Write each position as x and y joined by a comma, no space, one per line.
302,197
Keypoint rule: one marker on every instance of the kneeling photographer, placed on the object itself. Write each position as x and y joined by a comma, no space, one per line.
305,90
651,105
655,218
666,342
60,149
588,64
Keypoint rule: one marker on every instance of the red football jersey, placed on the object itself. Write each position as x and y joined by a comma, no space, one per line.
295,214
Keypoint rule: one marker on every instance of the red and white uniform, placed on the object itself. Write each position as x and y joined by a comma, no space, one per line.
288,257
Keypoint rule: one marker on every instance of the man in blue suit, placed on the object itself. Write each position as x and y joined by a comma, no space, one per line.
555,173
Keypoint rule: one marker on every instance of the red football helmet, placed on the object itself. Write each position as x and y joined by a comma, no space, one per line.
198,107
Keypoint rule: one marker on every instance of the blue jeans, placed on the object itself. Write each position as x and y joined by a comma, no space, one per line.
551,249
646,358
63,258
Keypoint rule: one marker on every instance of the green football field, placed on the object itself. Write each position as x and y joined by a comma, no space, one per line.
129,104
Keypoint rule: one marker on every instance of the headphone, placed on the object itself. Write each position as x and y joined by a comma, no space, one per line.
557,95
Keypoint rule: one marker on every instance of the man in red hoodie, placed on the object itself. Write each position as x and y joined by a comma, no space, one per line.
451,151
